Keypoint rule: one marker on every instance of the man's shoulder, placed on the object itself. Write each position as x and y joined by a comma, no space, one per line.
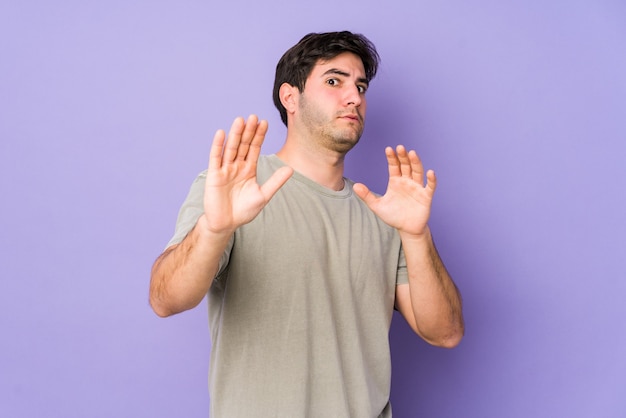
266,166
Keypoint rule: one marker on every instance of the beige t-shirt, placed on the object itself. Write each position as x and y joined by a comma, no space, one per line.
300,311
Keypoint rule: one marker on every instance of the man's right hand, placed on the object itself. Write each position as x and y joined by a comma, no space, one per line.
232,196
182,275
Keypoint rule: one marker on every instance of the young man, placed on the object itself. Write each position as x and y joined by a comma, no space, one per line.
303,267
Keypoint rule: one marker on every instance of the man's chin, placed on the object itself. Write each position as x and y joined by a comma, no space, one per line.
346,143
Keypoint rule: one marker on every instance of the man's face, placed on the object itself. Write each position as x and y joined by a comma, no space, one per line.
332,105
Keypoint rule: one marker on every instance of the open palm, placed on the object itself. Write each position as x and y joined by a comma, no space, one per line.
232,196
406,203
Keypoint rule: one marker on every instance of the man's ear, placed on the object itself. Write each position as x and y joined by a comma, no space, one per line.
289,95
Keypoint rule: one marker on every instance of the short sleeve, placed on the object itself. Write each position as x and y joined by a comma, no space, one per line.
402,276
190,211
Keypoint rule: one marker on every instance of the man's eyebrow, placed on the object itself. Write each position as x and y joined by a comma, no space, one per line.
344,74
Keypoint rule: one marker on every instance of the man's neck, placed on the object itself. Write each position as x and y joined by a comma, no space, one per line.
324,167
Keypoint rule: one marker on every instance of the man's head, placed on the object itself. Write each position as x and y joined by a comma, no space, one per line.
296,64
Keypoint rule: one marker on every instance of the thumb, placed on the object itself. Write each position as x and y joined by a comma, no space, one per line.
276,181
363,192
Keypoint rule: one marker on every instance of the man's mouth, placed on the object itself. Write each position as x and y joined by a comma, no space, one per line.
351,116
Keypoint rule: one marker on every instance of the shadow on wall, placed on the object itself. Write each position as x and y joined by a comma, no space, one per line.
389,122
429,381
367,163
434,382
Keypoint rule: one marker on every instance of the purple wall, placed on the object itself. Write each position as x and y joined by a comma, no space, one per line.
106,114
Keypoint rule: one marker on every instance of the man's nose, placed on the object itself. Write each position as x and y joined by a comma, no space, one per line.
353,96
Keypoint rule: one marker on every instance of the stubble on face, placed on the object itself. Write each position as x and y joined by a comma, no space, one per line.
332,131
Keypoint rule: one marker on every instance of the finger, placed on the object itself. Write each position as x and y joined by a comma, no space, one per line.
417,168
431,182
392,162
234,138
405,162
259,136
217,146
247,136
276,181
364,193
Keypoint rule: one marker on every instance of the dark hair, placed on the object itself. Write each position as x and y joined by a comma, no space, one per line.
296,64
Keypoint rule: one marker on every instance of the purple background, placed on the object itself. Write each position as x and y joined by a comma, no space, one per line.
106,114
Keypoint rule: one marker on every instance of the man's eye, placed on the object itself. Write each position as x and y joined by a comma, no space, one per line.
332,81
362,89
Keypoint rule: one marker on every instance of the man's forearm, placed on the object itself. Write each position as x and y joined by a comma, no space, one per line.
435,300
182,275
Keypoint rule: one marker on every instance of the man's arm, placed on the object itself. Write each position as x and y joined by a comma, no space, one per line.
430,302
183,274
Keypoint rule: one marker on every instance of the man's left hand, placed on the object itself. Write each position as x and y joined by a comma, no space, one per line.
407,201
